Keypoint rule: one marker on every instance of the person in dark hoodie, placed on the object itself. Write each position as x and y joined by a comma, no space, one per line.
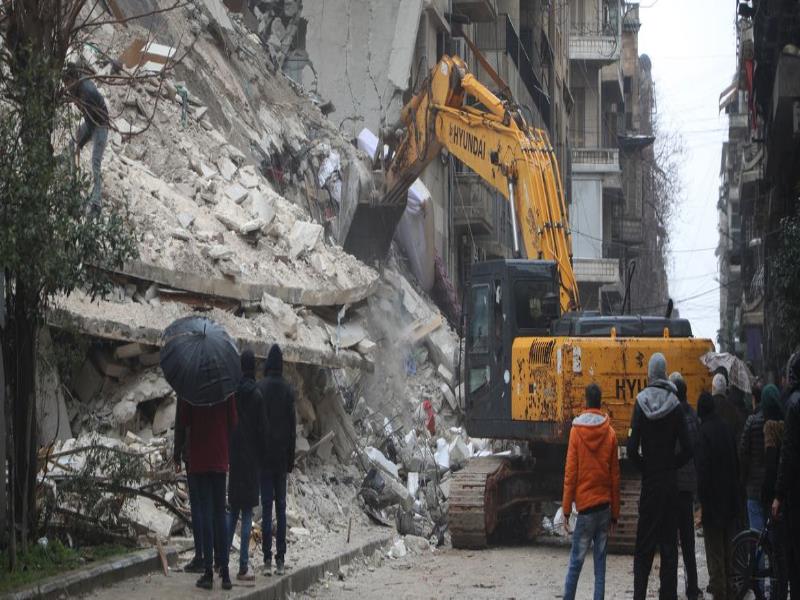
591,481
786,504
687,489
717,482
245,459
657,427
751,463
277,456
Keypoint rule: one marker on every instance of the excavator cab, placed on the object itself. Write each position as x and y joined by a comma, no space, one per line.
507,299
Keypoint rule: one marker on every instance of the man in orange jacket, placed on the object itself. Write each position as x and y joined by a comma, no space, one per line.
591,481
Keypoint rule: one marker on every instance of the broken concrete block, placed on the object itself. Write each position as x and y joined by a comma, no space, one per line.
404,43
164,419
200,112
320,263
301,444
236,192
225,216
229,268
146,514
219,252
185,220
377,458
398,549
448,395
251,227
285,316
442,455
445,374
413,484
107,366
179,233
226,168
124,412
131,350
346,335
303,237
149,385
366,347
248,177
262,208
88,383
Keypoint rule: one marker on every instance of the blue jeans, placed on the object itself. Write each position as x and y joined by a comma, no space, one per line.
755,514
590,528
211,488
247,523
273,489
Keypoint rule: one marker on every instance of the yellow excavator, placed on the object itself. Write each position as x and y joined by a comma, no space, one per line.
529,352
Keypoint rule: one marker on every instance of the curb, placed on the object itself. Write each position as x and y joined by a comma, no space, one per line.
73,583
304,577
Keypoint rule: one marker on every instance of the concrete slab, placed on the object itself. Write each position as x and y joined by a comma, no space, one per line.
404,42
143,323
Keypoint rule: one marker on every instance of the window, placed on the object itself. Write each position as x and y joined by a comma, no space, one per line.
479,320
530,304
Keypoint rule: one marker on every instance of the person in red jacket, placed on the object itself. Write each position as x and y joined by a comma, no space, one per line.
591,481
210,429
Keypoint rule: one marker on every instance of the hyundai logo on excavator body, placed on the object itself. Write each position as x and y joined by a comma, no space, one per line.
468,141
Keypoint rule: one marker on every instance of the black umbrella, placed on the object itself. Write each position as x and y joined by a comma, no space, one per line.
200,361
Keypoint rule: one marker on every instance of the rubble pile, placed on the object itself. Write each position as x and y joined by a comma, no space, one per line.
232,179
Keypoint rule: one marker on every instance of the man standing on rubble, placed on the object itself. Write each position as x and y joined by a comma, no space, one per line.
657,426
84,93
591,480
277,457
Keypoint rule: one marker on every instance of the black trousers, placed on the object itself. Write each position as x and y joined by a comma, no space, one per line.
791,548
686,533
657,530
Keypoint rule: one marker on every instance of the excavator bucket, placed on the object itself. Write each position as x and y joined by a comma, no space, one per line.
367,218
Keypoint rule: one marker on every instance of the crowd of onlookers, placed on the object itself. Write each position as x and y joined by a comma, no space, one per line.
739,462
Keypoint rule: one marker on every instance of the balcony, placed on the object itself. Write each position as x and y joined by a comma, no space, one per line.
475,204
595,160
478,11
596,43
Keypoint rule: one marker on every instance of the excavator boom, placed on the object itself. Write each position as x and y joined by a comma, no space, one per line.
490,136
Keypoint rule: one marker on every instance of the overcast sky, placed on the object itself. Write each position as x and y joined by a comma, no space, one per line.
692,45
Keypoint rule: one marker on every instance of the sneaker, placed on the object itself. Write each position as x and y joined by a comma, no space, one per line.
268,569
206,582
279,568
194,566
226,579
245,575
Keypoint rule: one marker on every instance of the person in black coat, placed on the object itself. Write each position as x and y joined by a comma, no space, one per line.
718,487
277,459
245,459
658,445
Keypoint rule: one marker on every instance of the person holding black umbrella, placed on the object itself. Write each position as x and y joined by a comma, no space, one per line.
278,455
201,363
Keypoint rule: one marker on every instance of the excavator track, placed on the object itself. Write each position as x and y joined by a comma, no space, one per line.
624,539
472,502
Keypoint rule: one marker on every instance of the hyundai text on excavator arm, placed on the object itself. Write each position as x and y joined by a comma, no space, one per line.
530,353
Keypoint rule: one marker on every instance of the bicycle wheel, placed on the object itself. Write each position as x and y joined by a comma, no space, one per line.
753,568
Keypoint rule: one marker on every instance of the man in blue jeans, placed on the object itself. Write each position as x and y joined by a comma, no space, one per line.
591,481
278,455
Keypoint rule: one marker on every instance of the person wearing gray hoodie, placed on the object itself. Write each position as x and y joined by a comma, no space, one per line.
658,445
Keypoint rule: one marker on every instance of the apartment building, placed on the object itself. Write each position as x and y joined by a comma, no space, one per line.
597,87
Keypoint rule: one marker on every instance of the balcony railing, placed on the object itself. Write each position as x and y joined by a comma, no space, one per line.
595,41
595,159
475,205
